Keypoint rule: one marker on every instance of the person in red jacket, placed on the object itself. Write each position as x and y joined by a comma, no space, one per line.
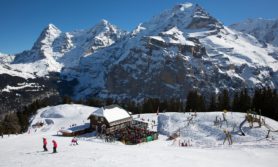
54,146
44,144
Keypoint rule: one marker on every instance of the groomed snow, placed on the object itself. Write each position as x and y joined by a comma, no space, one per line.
25,150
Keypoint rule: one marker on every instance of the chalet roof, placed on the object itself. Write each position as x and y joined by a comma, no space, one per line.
111,113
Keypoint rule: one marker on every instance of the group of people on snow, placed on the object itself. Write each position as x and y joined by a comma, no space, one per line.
55,145
185,143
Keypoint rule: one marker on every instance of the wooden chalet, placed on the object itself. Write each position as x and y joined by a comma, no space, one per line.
109,119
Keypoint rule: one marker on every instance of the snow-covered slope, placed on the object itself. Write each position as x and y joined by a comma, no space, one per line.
5,58
263,29
202,131
61,117
206,150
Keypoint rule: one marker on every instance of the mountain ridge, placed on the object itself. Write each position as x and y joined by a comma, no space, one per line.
181,49
266,30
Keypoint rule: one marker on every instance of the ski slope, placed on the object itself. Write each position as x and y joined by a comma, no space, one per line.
25,150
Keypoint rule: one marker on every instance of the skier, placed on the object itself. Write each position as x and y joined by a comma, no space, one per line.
54,146
44,144
74,141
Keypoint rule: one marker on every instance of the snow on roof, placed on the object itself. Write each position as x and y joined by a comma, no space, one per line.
65,131
111,113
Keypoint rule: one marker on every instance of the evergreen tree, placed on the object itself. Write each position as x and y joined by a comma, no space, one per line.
148,106
1,128
224,101
67,100
200,103
244,101
195,102
95,102
265,102
163,106
191,101
212,103
11,124
236,102
108,101
23,120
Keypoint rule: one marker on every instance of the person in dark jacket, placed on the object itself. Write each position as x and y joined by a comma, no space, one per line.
54,146
44,144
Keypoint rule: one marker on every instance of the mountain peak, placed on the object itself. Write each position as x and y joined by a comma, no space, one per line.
186,17
51,29
47,36
50,25
104,22
183,6
103,26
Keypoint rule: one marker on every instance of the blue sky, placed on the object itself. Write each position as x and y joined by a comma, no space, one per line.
21,21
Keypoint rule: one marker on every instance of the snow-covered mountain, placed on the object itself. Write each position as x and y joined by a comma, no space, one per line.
180,49
5,58
55,50
35,73
263,29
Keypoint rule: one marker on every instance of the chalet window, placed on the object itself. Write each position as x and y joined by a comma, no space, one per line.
101,119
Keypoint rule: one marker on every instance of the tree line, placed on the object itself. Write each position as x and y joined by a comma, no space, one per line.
263,101
18,122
